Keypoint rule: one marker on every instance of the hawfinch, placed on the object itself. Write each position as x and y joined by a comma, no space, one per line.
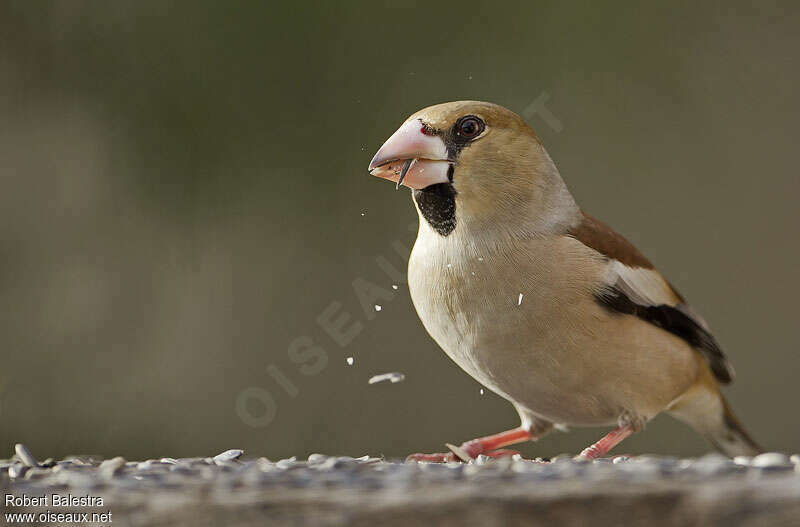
541,303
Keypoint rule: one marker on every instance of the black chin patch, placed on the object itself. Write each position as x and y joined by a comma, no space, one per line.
437,203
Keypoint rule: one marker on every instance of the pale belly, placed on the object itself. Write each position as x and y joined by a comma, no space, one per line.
554,352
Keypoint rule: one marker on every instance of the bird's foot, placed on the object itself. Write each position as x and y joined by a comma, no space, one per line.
502,452
451,456
440,457
488,446
466,452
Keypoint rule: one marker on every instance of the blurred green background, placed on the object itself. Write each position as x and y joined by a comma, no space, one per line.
185,192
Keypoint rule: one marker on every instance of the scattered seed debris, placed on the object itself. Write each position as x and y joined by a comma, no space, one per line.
394,287
482,391
350,361
393,377
228,455
25,455
377,307
459,452
110,467
771,459
519,300
232,472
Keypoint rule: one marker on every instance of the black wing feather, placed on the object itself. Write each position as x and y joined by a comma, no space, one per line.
672,319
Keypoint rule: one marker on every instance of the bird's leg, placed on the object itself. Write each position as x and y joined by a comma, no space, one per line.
609,441
484,445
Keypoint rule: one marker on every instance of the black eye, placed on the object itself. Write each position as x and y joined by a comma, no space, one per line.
469,127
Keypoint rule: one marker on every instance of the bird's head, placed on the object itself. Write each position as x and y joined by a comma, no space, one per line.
473,164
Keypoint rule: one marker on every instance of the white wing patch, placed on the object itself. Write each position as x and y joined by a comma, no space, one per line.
645,287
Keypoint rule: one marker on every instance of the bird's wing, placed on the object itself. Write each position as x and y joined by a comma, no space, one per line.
633,286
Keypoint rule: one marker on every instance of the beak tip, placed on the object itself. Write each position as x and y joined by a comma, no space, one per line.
373,164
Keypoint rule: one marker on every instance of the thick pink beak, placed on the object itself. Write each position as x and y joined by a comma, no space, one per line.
426,153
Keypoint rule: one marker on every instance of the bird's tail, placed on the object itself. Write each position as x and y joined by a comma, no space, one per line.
705,409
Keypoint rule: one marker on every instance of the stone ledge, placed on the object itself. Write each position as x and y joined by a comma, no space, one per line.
333,491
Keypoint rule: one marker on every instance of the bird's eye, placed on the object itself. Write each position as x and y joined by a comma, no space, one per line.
469,127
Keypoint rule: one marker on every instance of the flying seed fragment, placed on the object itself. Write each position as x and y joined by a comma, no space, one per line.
393,377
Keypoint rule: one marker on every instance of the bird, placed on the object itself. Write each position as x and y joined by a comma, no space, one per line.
540,302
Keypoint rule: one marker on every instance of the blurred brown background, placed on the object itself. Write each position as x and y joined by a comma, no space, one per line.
184,192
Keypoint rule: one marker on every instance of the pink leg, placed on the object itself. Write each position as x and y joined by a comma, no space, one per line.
609,441
483,445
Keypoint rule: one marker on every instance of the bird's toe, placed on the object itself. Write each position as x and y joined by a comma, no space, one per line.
431,458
